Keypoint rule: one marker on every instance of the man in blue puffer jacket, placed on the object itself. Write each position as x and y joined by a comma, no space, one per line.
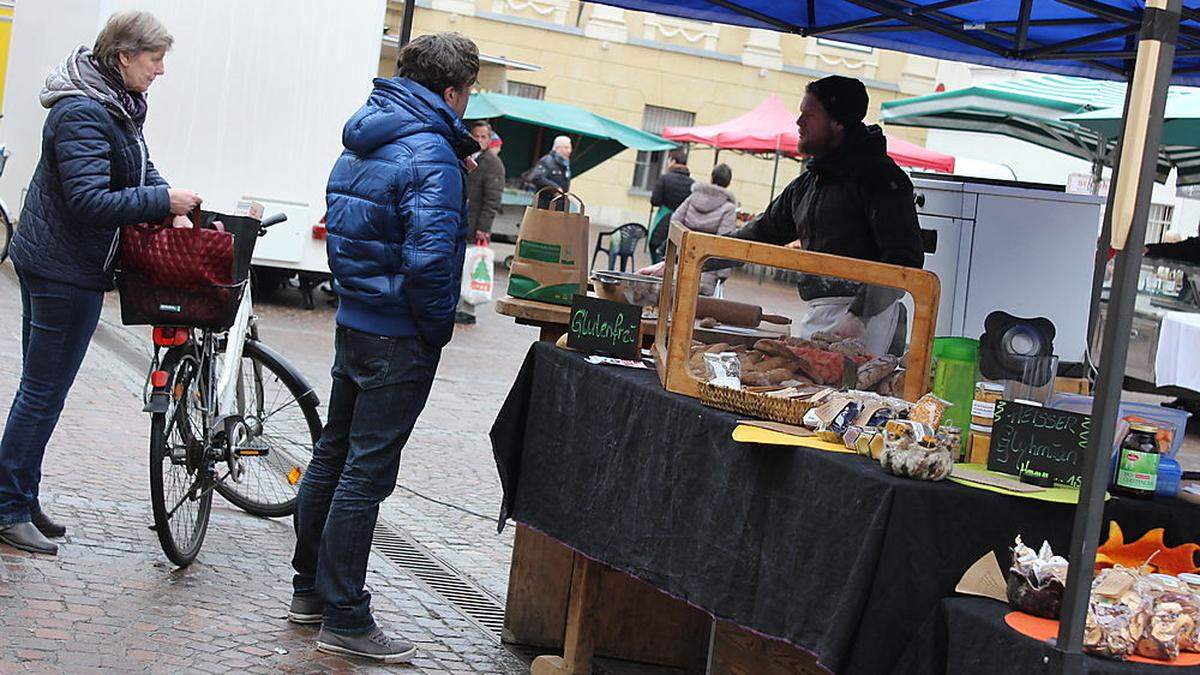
397,220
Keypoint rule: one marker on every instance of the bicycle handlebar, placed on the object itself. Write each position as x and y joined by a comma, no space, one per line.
272,220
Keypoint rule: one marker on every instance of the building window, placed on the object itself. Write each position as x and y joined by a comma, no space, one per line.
1158,222
649,165
824,42
525,90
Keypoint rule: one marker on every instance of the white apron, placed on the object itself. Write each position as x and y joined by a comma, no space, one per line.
824,313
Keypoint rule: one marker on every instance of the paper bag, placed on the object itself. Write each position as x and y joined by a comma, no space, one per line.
478,275
550,264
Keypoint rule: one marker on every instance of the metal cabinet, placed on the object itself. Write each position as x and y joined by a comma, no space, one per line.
1025,249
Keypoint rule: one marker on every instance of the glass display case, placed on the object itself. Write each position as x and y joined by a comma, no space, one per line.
1163,286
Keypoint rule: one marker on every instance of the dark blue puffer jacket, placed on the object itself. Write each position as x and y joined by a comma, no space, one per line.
88,183
396,214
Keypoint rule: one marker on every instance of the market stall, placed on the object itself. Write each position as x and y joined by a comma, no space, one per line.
529,126
826,542
770,130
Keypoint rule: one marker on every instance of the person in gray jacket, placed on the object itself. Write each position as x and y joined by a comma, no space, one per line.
710,208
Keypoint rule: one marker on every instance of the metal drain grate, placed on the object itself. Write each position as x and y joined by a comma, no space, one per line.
477,605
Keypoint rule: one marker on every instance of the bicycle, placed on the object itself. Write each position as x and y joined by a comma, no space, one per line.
6,228
230,415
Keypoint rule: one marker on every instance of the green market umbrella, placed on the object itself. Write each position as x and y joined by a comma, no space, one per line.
1038,110
528,127
1181,130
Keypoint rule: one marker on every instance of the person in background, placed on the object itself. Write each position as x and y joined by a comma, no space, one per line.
673,186
94,176
485,188
851,201
710,208
553,171
397,211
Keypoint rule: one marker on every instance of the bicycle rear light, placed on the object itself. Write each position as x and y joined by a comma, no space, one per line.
167,336
158,379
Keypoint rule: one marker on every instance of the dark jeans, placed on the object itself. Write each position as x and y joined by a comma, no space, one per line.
380,385
57,322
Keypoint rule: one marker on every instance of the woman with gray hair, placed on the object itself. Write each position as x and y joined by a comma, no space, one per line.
94,176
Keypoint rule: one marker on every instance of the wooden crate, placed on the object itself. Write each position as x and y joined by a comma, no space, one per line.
687,252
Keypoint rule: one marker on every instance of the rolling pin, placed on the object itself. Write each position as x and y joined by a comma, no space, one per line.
736,313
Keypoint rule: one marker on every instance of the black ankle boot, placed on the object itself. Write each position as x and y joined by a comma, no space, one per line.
25,536
46,526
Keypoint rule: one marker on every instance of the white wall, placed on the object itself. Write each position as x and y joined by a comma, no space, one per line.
252,104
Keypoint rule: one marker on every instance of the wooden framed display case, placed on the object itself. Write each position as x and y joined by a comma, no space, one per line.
688,251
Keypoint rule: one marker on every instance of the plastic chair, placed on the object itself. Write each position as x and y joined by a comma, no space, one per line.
620,245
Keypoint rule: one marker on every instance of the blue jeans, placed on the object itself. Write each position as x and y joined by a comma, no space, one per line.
380,385
57,322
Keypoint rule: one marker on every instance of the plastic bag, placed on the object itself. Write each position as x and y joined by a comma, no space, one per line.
478,275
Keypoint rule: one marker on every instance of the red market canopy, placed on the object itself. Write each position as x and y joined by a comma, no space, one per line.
771,127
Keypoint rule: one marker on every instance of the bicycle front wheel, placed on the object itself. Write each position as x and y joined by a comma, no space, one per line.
180,466
280,421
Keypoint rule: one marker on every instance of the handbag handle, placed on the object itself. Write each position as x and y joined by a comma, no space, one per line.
560,196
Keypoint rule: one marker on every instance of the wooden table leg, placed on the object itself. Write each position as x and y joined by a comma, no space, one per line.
551,333
579,640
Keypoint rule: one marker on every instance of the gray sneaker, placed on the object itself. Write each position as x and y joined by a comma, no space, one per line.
373,644
306,610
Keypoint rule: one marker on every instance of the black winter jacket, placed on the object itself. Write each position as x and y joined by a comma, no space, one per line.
854,202
672,188
88,183
551,171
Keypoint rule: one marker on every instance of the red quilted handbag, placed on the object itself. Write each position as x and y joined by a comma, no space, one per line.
171,276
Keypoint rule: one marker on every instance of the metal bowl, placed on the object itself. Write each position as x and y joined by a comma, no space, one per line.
635,289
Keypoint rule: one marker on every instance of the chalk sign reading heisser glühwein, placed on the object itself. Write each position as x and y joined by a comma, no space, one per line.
1032,439
605,328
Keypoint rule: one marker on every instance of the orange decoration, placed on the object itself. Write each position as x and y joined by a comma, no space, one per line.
1174,560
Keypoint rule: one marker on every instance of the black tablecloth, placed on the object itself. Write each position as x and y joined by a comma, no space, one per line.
968,635
821,549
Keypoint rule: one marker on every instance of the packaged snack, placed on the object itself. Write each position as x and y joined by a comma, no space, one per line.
724,369
1036,581
851,436
865,439
929,410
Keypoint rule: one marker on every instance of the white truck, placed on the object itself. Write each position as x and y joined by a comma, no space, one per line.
251,107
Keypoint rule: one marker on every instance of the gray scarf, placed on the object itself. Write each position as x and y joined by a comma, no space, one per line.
81,74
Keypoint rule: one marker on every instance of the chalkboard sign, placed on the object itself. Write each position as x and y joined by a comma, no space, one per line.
1031,439
605,327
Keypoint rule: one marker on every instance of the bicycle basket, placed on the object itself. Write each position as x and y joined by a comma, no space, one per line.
185,277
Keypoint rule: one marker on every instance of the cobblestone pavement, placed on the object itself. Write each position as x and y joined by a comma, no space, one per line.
111,601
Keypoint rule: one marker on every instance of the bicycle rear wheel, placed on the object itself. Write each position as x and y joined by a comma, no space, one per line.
6,234
280,418
181,470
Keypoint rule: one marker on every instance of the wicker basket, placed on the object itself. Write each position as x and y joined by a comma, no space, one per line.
760,406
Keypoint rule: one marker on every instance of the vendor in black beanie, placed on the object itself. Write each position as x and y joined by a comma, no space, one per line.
851,201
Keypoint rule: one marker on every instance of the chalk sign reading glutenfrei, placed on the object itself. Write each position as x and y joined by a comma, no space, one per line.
605,327
1033,439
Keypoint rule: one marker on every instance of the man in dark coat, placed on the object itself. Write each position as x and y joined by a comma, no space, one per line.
485,188
674,186
397,214
852,201
553,171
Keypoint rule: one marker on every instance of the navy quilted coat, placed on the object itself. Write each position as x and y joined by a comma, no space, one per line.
397,214
88,183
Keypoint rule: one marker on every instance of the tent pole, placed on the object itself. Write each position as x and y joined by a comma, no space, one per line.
1127,211
406,22
774,171
1102,245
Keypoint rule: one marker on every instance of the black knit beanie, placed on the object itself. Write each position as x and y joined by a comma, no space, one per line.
844,98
